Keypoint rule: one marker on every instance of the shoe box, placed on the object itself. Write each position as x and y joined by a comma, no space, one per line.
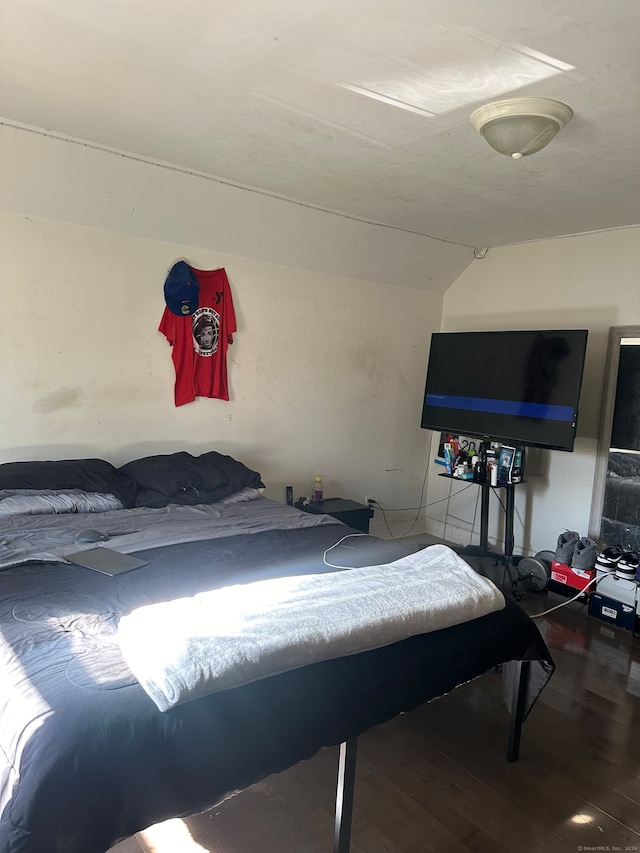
616,601
574,578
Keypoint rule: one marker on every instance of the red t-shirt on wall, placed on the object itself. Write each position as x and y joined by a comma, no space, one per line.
199,342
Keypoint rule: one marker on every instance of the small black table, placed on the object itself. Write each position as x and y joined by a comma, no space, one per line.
351,513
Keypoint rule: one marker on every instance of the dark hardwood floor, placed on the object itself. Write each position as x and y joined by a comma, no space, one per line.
436,779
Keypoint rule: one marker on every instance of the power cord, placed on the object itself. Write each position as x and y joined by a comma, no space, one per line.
568,601
335,545
374,504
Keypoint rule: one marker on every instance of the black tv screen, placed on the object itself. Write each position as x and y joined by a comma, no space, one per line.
520,388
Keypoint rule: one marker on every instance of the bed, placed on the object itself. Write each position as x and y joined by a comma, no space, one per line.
87,757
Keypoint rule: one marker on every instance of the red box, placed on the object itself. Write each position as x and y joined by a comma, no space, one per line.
575,578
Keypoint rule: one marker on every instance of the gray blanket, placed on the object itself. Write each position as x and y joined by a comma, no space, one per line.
48,538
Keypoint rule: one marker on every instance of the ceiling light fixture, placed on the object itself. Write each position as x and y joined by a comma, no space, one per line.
521,126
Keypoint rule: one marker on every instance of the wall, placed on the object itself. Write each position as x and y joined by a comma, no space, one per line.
334,321
326,372
328,366
590,282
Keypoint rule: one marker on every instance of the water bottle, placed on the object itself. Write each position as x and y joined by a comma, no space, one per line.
316,491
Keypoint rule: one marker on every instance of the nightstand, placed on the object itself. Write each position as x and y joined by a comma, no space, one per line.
351,513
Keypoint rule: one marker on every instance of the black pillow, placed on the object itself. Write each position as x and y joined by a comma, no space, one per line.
89,475
181,478
239,476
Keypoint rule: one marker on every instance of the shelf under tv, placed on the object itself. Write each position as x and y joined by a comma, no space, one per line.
483,549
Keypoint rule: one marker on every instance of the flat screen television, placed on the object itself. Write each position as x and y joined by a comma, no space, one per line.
519,388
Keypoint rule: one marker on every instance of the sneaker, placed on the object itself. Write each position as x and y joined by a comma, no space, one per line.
607,560
584,555
628,565
567,542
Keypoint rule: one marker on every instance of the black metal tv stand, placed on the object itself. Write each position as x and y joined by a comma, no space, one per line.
483,550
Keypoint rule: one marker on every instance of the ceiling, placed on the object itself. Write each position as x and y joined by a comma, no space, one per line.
360,107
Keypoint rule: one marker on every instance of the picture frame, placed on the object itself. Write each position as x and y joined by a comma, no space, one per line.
505,463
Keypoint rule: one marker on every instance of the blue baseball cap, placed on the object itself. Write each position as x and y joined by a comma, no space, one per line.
181,289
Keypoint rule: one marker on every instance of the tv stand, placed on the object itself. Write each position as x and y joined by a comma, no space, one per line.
483,550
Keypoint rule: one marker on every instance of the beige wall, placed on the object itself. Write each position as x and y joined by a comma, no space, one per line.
334,318
325,372
590,282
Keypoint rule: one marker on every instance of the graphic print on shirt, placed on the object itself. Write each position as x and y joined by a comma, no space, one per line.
200,341
206,328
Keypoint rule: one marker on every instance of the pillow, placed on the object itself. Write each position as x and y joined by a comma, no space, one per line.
181,478
44,502
239,476
165,478
87,475
240,497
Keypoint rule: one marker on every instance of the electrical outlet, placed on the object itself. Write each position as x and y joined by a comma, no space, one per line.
368,498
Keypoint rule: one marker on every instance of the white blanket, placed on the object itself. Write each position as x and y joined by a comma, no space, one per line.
183,649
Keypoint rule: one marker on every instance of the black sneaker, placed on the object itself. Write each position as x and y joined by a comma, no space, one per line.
607,560
628,565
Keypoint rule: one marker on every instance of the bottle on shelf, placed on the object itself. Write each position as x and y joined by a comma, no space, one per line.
479,469
317,491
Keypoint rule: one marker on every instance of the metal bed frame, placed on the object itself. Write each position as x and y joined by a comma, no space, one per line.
348,751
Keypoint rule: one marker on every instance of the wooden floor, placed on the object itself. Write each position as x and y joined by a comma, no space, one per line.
436,779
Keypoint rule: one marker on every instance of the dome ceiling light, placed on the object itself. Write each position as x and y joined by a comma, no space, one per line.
521,126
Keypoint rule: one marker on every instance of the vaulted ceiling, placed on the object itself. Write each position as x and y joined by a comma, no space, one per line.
355,106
